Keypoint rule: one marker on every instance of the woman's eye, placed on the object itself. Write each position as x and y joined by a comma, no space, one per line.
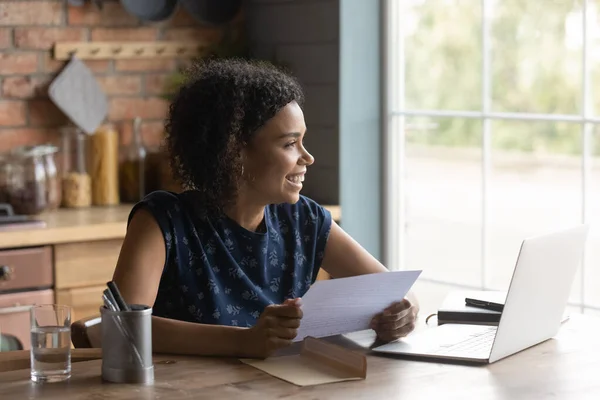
290,144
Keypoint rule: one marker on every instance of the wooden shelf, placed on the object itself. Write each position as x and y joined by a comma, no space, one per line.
128,50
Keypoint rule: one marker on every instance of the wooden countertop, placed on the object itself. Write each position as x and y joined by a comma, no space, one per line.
76,225
564,367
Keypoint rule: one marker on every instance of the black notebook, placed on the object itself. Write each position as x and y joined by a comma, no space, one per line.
455,311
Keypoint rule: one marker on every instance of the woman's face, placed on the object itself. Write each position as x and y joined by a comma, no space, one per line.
275,160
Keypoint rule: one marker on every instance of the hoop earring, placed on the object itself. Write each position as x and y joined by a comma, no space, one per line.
242,171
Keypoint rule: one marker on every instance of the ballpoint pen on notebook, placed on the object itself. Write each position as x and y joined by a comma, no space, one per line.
115,302
487,305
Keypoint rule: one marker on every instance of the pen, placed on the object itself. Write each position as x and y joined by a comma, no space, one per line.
487,305
109,300
122,305
115,302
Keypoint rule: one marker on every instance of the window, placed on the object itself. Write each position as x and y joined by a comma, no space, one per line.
493,135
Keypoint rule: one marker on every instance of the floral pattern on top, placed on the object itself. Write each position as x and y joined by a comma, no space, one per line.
217,272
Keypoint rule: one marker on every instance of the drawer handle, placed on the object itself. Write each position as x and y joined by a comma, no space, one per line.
6,273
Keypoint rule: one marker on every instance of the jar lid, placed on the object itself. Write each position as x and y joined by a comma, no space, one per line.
46,149
33,151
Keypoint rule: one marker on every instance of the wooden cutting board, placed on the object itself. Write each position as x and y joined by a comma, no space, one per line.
77,93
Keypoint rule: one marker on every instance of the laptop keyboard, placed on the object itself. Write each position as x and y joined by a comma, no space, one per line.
477,345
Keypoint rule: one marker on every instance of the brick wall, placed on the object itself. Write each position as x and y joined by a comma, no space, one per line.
304,35
28,30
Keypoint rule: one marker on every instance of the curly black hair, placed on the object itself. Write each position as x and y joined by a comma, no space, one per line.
222,103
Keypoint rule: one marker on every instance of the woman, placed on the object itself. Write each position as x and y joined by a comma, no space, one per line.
225,263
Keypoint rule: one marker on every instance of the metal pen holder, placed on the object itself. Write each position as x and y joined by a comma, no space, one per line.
127,345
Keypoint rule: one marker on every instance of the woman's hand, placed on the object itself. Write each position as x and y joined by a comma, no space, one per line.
276,327
396,321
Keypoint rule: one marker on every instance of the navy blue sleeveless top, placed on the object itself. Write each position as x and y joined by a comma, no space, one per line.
217,272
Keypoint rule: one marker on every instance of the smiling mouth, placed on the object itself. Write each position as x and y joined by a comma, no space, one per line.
295,179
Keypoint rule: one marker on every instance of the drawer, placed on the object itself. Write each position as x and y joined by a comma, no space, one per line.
86,301
14,312
26,268
85,263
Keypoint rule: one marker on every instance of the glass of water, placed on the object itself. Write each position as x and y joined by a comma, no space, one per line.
50,343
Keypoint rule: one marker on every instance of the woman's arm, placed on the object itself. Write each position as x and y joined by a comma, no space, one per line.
138,274
345,257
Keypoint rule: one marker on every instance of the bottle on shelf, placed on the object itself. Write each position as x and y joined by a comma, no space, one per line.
132,172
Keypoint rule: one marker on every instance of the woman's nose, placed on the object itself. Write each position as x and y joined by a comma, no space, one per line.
307,158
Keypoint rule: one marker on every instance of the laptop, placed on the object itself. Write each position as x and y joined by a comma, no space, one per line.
536,299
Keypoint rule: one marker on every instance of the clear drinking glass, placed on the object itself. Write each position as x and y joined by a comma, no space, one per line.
50,343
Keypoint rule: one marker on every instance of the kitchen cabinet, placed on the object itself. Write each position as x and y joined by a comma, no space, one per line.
14,312
25,278
28,268
67,262
81,271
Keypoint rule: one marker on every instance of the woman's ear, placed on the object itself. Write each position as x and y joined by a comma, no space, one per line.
242,160
246,167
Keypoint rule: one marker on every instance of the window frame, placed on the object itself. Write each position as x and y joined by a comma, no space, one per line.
394,123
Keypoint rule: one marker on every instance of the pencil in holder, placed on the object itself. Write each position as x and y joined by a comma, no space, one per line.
127,345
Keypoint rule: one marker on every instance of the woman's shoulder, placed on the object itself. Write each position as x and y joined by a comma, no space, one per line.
163,205
162,197
172,212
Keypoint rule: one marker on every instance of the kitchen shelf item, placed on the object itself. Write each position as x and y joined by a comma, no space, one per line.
130,50
53,181
27,183
76,92
76,181
212,12
150,10
133,169
104,166
12,171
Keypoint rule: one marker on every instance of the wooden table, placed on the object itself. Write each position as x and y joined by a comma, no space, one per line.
566,367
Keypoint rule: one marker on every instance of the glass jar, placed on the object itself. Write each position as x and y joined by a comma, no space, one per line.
53,182
27,185
76,182
133,170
